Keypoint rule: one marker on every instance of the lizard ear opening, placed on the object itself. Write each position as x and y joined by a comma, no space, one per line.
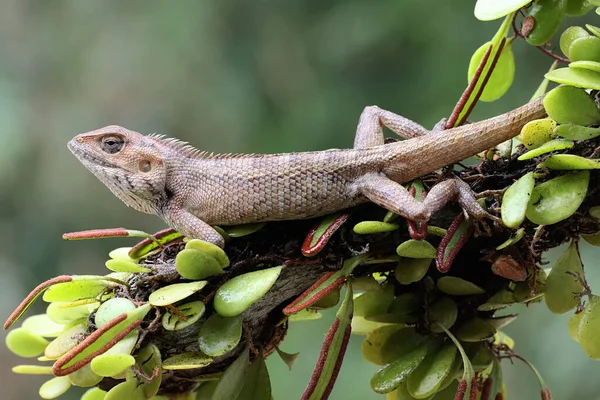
112,144
145,166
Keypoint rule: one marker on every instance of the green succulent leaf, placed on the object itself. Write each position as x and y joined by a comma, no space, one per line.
55,387
571,34
537,132
570,162
111,364
456,286
232,382
25,343
515,200
488,10
576,132
578,77
173,293
239,293
558,198
562,286
187,360
501,77
196,264
219,335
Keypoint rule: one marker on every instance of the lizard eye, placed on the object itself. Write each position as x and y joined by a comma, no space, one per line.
112,144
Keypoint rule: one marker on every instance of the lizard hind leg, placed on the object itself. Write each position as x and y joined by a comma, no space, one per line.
394,197
369,131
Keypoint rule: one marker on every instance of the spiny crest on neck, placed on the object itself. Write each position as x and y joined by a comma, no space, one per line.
187,150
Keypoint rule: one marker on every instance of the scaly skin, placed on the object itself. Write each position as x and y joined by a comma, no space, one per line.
192,190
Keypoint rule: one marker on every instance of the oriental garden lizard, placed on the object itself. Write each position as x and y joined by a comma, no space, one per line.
192,190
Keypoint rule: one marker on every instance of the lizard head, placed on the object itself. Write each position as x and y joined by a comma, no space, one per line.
127,162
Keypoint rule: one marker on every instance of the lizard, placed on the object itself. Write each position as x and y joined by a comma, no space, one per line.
193,190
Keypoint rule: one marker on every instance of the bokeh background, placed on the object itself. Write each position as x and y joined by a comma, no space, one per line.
231,76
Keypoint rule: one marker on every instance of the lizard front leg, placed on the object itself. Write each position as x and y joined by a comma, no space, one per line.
394,197
193,227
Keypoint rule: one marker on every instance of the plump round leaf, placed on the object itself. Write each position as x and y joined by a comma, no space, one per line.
405,303
64,342
475,330
416,249
191,312
576,132
120,253
305,315
42,325
577,77
537,132
594,29
243,230
571,34
126,390
547,15
594,239
212,249
196,264
239,293
25,343
374,302
371,227
500,299
372,346
571,105
188,360
573,326
585,49
558,198
444,312
149,359
94,394
570,162
83,288
219,335
515,200
488,10
125,265
173,293
55,387
589,65
67,312
552,145
589,328
111,309
502,76
578,7
411,270
399,343
561,286
392,375
84,377
111,364
427,379
457,287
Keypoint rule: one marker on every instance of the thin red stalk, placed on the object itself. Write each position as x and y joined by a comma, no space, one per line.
294,308
31,296
56,368
96,233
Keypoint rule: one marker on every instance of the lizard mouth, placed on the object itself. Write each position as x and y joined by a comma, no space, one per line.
83,153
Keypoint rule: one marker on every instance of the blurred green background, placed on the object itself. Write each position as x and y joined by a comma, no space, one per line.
230,76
